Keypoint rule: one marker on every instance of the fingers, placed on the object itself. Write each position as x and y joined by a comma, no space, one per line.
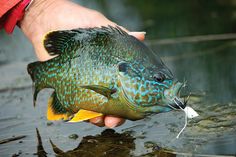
99,121
111,121
108,121
139,35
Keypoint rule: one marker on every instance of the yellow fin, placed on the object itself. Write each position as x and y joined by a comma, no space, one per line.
82,115
52,116
55,110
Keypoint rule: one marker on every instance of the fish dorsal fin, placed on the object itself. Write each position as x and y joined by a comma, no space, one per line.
55,109
107,92
82,115
66,41
59,42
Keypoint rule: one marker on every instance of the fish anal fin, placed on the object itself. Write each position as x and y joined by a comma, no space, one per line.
82,115
55,109
52,116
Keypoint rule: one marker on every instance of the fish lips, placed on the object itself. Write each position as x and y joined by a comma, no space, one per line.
172,96
178,104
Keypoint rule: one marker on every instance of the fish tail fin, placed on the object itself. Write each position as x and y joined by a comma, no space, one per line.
35,71
31,69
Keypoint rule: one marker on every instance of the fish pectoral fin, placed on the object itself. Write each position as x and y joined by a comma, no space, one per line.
55,109
107,92
82,115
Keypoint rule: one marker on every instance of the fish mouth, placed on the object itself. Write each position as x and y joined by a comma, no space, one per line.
178,104
172,96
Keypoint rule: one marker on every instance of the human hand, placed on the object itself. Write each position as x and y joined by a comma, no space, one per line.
44,16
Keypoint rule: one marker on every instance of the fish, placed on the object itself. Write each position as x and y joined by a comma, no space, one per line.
103,71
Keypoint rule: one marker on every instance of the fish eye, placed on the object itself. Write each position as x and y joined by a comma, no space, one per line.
159,77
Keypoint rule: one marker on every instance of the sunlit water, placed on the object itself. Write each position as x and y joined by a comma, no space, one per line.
207,65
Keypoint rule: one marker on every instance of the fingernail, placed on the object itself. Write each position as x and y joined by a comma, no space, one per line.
137,33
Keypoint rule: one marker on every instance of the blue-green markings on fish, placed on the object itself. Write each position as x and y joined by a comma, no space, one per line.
102,71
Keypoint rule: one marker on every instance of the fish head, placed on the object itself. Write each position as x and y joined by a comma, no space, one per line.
152,87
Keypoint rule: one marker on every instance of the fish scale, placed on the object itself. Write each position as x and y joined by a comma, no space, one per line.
103,70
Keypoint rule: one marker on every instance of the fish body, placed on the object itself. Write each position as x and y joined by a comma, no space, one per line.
103,70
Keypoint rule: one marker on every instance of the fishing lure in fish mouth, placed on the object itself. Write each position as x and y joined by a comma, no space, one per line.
103,71
189,112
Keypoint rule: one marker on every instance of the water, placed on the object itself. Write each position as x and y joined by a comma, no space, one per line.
185,36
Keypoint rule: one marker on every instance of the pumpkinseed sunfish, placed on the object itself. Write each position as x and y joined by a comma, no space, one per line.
103,71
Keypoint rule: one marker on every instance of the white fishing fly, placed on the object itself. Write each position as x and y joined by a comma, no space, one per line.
189,113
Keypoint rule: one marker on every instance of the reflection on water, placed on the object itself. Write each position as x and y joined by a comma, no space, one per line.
186,36
40,149
108,144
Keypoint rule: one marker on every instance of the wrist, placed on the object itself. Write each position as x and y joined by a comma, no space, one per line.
35,24
31,24
42,17
11,13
